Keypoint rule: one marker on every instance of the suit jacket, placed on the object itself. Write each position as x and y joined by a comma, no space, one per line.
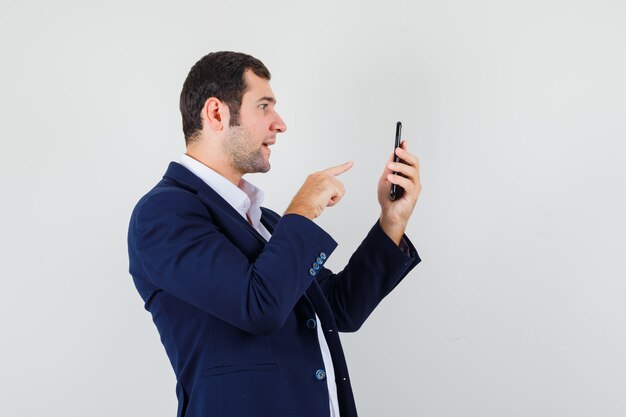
236,314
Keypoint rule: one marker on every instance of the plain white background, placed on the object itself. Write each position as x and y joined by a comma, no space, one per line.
516,109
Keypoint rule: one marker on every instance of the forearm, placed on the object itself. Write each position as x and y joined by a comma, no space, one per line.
375,268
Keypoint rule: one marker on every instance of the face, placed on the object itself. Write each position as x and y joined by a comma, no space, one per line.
247,145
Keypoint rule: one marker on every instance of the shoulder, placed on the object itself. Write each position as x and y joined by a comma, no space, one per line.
169,200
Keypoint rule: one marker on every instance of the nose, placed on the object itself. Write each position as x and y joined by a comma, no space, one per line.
279,125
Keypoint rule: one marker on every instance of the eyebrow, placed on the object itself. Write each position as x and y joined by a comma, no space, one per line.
268,98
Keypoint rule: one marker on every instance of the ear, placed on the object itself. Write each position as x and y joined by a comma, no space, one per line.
215,114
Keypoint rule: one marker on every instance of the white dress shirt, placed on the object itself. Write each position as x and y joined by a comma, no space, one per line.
247,200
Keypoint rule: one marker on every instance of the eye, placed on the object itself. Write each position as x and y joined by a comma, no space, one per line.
263,106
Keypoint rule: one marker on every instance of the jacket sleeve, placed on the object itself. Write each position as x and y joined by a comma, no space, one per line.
181,251
372,272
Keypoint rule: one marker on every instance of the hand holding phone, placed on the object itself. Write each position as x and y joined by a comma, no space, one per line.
396,191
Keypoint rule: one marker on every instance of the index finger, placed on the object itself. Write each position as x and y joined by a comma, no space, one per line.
405,155
339,169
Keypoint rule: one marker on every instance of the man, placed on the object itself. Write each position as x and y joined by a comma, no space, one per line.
248,314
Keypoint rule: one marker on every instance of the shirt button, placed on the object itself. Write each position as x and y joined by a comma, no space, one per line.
312,272
320,375
311,324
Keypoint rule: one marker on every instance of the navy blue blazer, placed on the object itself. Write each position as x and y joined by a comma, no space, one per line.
236,314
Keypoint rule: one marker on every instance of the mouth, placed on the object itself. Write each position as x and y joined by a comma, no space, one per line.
269,143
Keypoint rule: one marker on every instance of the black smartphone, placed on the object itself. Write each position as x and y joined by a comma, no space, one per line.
396,191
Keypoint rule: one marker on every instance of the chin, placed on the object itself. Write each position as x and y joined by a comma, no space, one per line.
265,166
259,168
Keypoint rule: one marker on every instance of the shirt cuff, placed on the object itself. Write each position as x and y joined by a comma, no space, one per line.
404,247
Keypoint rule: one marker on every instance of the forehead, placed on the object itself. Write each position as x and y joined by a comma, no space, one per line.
256,87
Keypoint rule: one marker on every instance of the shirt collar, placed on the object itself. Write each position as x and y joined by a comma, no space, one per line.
246,198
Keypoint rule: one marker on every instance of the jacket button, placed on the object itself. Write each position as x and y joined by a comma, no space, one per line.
315,266
320,375
312,272
311,324
319,261
323,256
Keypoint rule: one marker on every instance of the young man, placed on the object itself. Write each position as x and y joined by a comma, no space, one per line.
248,314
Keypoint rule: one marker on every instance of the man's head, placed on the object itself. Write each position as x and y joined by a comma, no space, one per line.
219,75
227,107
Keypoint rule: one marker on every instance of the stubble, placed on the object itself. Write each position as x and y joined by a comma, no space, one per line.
245,156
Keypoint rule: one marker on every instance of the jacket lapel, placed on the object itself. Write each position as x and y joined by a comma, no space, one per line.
186,179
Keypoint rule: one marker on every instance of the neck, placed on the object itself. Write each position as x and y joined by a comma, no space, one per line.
217,164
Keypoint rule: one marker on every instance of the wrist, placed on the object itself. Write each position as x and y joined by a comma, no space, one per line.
301,210
394,231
